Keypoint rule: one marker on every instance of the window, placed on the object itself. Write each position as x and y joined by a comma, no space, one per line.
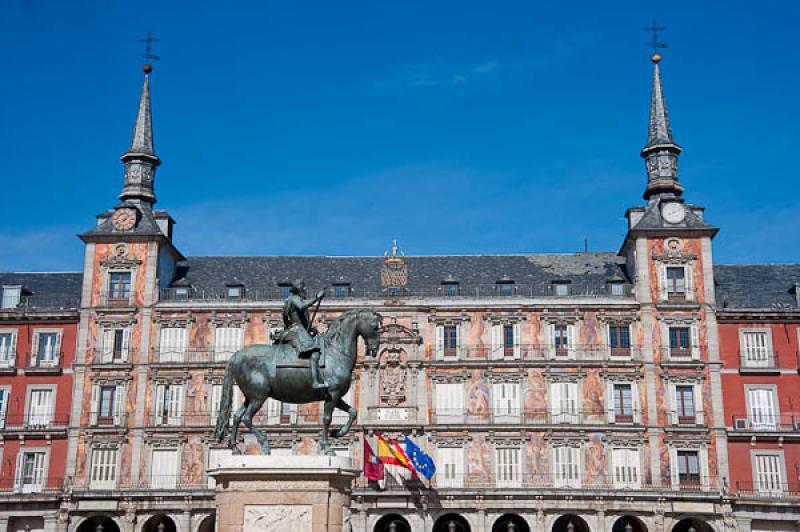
561,288
119,286
4,396
234,292
506,400
30,471
285,290
756,349
104,469
684,405
172,344
619,340
762,409
450,341
227,340
769,472
675,282
623,403
688,468
395,291
564,402
216,398
11,296
47,346
164,468
505,288
625,463
115,345
616,288
508,340
679,341
168,404
508,468
181,293
341,291
566,467
450,289
108,404
563,340
450,467
505,341
8,349
40,407
449,402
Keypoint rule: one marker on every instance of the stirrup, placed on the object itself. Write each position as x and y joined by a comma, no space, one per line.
319,385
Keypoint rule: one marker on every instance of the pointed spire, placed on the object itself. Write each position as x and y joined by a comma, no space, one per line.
140,159
661,152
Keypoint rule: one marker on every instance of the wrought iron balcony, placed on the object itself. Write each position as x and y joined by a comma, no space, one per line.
768,489
49,362
766,423
538,417
758,361
31,484
36,422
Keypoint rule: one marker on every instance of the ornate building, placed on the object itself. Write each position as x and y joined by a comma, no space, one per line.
563,392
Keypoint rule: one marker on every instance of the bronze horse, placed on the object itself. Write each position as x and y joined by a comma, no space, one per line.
263,371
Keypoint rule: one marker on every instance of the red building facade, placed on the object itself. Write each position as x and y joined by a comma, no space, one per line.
38,326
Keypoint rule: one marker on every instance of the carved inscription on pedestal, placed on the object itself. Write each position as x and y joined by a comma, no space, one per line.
276,518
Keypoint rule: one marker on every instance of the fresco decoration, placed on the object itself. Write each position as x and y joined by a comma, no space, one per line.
592,335
479,460
477,396
193,466
537,456
596,461
593,396
535,405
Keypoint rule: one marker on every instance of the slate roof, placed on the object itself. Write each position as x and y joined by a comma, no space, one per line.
652,220
61,290
587,272
146,225
757,286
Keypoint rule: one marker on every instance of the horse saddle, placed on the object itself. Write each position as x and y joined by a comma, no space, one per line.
290,358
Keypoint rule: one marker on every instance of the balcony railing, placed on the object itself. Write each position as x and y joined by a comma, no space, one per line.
36,303
758,360
600,482
514,416
38,422
545,289
8,360
105,420
43,361
158,482
192,355
766,423
540,353
31,485
114,300
768,489
694,418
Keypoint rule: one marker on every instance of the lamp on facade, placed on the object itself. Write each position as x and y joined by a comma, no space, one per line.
161,527
451,526
629,527
511,527
692,529
99,528
393,526
570,527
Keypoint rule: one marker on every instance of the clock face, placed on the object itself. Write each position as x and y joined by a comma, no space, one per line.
673,212
124,219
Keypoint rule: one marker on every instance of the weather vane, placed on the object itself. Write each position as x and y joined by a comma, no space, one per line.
148,47
656,45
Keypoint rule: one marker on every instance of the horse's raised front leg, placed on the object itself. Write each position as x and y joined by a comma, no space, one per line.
237,417
247,419
327,416
344,429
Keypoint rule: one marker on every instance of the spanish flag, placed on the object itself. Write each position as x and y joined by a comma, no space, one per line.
390,453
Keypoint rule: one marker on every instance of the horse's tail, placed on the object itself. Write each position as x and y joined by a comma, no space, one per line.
224,412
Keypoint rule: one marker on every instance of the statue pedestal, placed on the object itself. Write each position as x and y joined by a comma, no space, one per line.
279,493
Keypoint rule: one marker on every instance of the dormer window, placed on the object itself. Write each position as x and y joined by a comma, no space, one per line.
285,289
234,292
505,288
616,288
561,288
11,296
341,290
450,288
181,293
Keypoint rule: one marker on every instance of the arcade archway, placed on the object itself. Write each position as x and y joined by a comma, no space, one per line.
98,523
392,523
510,523
451,523
570,523
159,523
692,524
628,523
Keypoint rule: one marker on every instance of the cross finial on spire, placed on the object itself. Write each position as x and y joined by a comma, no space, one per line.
655,44
148,55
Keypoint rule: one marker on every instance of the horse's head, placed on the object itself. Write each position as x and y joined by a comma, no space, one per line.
369,328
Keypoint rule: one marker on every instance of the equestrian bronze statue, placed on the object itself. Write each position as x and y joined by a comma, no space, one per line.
282,372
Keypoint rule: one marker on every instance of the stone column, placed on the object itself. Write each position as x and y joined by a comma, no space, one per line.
743,524
4,523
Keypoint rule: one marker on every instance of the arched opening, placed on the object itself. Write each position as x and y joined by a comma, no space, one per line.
628,523
392,523
570,523
451,523
98,523
510,523
692,525
25,524
207,524
159,523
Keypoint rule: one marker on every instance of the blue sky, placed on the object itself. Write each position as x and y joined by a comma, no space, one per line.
453,126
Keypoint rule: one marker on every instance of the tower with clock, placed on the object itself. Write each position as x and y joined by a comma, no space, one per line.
669,257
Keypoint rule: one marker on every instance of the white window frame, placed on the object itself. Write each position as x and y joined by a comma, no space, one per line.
506,402
40,418
174,396
753,356
450,467
761,481
497,341
568,476
173,348
702,459
119,406
766,420
8,353
110,469
5,392
559,413
512,476
697,399
626,472
694,340
572,341
611,398
35,487
107,343
107,285
163,481
449,402
439,350
12,295
688,284
56,351
224,348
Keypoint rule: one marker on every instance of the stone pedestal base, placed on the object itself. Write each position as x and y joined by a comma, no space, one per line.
280,493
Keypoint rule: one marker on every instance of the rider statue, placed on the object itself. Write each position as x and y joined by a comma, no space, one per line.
298,330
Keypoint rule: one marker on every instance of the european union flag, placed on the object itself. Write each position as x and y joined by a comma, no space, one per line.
421,461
